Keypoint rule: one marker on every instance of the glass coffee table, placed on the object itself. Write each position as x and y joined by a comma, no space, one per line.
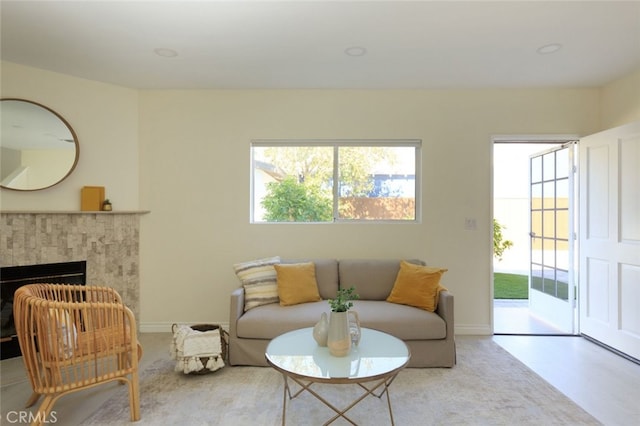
372,365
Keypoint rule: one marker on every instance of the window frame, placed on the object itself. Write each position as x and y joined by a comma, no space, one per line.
336,144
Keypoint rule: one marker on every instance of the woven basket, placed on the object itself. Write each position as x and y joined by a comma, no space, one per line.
224,343
224,337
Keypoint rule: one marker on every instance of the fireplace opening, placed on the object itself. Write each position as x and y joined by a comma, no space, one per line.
13,277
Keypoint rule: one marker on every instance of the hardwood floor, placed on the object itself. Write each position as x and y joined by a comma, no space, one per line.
603,383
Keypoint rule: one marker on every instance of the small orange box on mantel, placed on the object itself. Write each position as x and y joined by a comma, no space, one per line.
91,198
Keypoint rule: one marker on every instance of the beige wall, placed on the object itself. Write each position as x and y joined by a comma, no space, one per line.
189,152
621,101
195,175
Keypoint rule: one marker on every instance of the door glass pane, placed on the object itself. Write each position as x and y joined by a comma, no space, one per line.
562,163
562,257
536,277
548,256
562,245
548,194
536,169
548,166
562,224
562,289
536,196
548,224
562,193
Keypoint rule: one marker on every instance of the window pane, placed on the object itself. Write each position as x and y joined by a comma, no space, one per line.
325,181
292,184
376,183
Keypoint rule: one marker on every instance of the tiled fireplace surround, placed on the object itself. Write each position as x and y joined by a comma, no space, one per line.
109,242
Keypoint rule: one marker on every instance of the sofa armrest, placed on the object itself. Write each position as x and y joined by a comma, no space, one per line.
445,311
236,309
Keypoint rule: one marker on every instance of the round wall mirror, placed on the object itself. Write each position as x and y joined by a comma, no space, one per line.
39,148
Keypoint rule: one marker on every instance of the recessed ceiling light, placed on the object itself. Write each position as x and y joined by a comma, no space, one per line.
165,52
549,48
355,51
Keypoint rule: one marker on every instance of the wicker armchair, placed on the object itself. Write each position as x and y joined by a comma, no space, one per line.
75,337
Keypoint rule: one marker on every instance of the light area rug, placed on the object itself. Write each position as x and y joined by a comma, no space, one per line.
488,386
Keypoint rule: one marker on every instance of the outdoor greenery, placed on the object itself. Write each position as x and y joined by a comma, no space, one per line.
510,286
313,165
499,243
343,299
551,287
305,193
291,201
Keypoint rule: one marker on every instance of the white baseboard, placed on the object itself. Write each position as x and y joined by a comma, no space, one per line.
473,330
165,327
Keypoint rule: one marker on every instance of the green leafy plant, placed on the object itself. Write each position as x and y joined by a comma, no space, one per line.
343,299
293,201
499,243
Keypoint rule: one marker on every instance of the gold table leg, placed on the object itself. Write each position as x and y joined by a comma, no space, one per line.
384,382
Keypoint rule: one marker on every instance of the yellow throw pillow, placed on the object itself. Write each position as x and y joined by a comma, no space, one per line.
297,283
417,286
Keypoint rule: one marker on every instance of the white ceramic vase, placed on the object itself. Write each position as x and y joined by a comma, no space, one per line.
339,337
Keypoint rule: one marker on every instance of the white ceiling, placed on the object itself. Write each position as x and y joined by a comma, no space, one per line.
301,44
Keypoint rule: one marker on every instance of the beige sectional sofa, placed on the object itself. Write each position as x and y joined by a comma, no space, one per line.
429,335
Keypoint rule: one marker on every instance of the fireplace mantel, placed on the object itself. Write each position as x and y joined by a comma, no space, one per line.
114,212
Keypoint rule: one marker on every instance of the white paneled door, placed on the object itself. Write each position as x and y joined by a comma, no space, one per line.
609,278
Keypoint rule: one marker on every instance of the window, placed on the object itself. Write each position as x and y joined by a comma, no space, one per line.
334,181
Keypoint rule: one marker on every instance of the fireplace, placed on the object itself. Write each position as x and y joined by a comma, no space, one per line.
13,277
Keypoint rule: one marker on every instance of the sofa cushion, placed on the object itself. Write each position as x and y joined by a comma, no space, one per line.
417,286
326,275
269,321
373,279
297,283
404,322
258,277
